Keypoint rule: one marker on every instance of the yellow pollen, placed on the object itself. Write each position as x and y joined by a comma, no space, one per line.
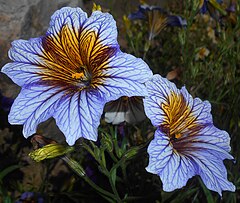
77,75
178,135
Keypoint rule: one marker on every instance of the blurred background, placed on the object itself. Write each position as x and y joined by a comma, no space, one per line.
203,56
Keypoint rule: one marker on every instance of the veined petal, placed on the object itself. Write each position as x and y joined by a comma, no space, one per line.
173,168
211,136
73,17
22,73
125,75
158,90
78,115
104,26
212,171
34,105
28,60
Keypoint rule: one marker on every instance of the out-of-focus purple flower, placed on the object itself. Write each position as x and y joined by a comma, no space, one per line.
157,19
231,13
129,109
186,143
71,72
213,7
30,197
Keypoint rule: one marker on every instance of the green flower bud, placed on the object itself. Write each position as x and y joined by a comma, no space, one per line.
50,151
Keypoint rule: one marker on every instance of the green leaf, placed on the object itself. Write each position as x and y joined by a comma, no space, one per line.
8,170
113,175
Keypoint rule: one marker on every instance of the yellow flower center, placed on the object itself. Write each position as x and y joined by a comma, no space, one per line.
179,120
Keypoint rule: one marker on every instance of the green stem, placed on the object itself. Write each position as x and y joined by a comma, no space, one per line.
146,48
78,169
111,181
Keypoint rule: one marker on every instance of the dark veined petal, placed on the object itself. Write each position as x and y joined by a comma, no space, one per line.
78,115
212,171
73,17
173,168
126,76
34,105
27,57
158,90
185,138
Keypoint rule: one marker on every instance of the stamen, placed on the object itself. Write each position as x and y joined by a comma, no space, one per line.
77,75
175,137
81,74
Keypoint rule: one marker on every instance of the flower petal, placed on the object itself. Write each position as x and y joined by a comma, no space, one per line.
28,59
104,26
125,76
159,89
212,171
211,137
34,105
78,115
73,17
173,168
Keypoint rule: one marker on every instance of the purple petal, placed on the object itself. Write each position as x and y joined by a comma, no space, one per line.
173,168
78,115
159,89
72,17
34,105
104,27
125,76
212,171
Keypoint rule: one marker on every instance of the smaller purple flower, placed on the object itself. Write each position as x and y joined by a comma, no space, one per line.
30,197
213,7
186,143
204,5
157,19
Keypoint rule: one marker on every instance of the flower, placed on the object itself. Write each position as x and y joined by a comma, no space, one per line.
186,143
157,18
71,72
213,7
202,53
30,197
129,109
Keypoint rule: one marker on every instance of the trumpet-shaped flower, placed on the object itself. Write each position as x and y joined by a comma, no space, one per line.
213,7
157,19
71,72
186,143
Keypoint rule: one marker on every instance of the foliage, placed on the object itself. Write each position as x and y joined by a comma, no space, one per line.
113,168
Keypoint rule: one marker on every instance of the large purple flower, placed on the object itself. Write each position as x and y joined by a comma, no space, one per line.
186,143
71,72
